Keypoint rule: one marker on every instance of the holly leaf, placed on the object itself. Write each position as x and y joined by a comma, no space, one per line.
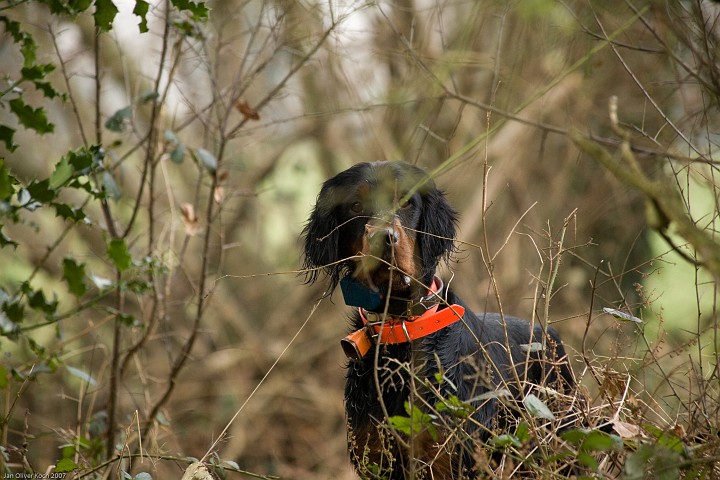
68,212
32,118
141,10
41,191
28,47
83,158
6,136
37,71
118,252
117,122
199,11
6,182
74,275
63,172
105,11
37,301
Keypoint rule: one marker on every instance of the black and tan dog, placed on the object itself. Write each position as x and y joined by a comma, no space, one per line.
380,230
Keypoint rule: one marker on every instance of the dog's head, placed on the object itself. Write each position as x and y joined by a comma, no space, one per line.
384,223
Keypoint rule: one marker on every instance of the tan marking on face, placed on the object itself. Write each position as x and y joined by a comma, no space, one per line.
373,266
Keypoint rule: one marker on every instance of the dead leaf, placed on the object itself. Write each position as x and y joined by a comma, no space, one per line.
248,112
219,194
625,430
197,471
192,224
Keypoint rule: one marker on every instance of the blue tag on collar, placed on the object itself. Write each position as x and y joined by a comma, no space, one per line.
358,295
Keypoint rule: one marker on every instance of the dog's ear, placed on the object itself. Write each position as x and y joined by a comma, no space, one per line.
321,238
437,229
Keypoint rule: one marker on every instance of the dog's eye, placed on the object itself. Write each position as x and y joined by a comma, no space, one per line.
405,203
356,207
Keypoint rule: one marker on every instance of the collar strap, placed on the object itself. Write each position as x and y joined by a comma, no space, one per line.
396,330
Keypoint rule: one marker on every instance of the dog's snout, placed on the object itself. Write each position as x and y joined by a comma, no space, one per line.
388,236
382,238
382,235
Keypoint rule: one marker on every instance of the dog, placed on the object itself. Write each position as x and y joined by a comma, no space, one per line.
427,378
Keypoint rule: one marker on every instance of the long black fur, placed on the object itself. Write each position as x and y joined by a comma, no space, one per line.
466,359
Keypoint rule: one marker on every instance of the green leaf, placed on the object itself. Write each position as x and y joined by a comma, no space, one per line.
199,11
118,252
169,136
105,11
14,310
37,71
74,275
206,158
117,122
523,432
63,172
574,435
148,97
83,159
127,319
626,317
141,10
66,465
537,407
79,6
48,90
37,301
635,462
178,154
6,181
454,406
416,421
599,441
82,375
68,212
110,185
403,424
6,136
32,118
231,464
41,191
587,460
143,476
505,440
665,438
28,47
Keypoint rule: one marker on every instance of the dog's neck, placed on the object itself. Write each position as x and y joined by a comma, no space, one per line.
397,304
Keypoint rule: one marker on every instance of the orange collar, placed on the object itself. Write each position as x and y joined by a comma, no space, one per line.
396,330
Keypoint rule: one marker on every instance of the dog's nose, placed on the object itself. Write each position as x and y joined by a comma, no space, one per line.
387,236
382,239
